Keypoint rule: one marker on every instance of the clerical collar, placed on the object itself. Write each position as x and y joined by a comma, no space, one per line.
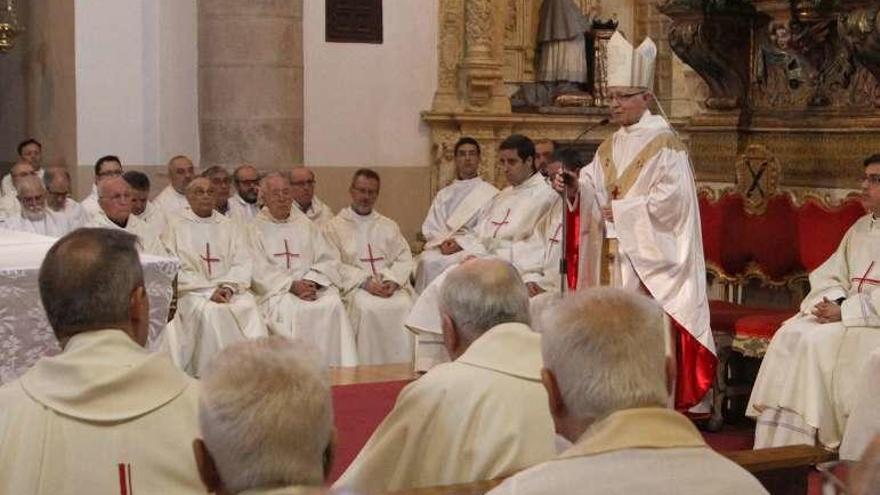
467,180
304,209
120,225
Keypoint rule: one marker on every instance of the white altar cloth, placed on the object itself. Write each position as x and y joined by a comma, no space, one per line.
25,334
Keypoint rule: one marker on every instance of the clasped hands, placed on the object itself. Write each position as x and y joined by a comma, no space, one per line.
826,311
378,288
304,289
222,295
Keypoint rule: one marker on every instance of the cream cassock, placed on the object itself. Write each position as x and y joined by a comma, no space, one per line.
52,224
319,213
171,201
213,253
74,212
454,213
542,268
241,210
295,249
480,417
104,416
654,244
148,240
154,217
372,246
805,389
864,422
503,231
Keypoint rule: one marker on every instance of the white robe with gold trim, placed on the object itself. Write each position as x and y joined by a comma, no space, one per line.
480,417
805,389
454,213
101,414
372,246
294,249
213,252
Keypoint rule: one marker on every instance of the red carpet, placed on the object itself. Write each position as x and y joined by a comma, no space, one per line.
360,408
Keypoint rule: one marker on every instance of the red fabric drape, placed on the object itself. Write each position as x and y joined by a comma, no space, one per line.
572,244
695,365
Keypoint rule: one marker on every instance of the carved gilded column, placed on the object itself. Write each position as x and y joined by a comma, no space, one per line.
451,38
484,49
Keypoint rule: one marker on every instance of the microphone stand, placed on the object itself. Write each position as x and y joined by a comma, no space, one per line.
563,259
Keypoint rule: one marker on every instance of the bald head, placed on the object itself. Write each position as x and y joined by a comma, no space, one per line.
478,295
57,182
21,169
180,171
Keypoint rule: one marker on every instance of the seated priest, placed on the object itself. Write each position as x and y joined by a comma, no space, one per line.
57,183
303,181
105,415
106,167
504,231
33,215
141,206
9,204
375,270
244,204
805,389
609,380
219,177
114,201
266,419
30,151
215,306
483,415
296,276
453,214
172,199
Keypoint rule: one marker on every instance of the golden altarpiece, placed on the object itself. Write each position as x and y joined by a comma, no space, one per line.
793,80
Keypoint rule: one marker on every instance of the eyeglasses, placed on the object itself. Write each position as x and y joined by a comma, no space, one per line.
623,97
873,179
304,183
59,194
110,173
31,200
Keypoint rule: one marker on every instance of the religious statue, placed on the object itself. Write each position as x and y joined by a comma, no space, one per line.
563,56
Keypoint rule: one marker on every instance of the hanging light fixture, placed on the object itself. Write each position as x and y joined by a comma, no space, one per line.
9,27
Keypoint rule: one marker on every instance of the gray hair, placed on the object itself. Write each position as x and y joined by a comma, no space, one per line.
266,415
87,278
483,293
264,182
213,170
606,348
53,173
29,182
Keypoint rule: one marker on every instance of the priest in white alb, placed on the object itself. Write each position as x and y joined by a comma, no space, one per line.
376,266
215,306
482,416
114,202
141,206
30,151
504,230
805,389
244,204
104,415
303,181
296,276
33,216
58,200
9,204
639,198
454,213
105,167
172,199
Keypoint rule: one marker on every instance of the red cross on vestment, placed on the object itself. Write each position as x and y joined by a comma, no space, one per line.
500,224
371,259
125,487
208,259
555,238
865,280
287,254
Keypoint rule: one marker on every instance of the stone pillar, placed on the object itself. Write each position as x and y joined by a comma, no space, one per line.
251,83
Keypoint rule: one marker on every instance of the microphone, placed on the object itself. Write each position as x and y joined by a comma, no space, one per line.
602,122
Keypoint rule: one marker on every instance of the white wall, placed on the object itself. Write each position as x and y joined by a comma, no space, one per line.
363,101
136,79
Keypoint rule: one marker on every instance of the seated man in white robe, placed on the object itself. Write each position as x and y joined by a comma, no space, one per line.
114,201
221,181
609,381
804,391
141,206
33,216
267,452
57,182
296,276
303,181
454,213
863,424
9,204
375,270
172,199
503,231
106,167
105,415
244,204
215,307
30,151
482,416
